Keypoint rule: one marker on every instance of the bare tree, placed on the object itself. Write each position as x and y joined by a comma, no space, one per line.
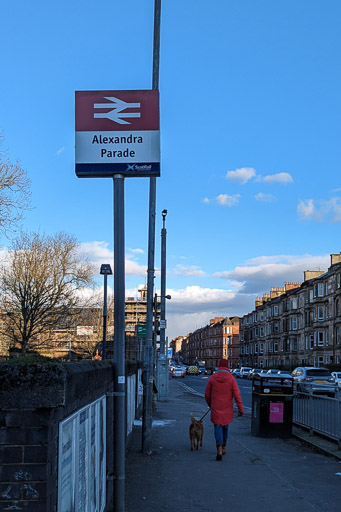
14,193
40,285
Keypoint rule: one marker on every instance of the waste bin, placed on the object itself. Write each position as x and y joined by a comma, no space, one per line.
272,400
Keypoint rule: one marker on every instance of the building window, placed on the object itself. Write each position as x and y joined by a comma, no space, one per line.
320,313
320,338
311,336
276,310
293,323
319,290
338,280
293,303
338,335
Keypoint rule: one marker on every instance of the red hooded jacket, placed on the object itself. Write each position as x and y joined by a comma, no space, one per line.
220,391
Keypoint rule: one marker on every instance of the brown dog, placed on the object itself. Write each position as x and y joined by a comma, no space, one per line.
196,433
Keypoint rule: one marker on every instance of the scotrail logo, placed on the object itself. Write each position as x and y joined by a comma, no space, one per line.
137,167
116,112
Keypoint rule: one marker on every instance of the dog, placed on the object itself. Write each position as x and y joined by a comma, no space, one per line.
196,433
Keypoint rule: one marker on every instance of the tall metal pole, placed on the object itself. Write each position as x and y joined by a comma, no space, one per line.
148,351
104,344
162,366
119,346
163,284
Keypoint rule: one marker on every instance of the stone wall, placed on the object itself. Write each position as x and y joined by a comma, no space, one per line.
34,399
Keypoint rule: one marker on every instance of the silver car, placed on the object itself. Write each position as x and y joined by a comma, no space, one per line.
318,380
337,378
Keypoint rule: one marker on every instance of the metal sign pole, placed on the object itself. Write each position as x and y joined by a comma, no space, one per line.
119,346
148,351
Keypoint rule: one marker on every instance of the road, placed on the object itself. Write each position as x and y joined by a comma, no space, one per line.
197,383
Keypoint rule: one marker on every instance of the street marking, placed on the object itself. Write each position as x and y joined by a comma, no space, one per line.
190,390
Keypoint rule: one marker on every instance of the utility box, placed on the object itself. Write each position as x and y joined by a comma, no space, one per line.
272,401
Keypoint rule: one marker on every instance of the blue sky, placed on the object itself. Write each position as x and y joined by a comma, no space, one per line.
250,137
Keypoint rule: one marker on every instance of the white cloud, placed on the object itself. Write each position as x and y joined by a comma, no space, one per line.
282,177
98,253
307,211
181,270
226,200
137,251
260,274
241,175
333,208
193,307
195,299
321,210
60,150
265,198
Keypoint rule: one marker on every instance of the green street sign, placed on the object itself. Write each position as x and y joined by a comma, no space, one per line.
141,330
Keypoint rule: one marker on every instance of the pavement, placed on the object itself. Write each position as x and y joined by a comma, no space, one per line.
267,474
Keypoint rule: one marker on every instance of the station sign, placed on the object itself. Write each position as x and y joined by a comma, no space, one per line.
117,132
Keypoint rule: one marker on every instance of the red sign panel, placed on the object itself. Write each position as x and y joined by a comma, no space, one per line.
117,132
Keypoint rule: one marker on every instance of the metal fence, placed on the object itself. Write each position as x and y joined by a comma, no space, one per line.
320,414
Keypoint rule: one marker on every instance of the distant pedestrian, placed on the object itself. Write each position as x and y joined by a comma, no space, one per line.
220,391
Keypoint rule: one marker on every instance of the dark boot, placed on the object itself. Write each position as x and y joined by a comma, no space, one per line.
223,451
219,452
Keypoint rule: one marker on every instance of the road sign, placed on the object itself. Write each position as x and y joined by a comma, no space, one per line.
141,330
169,353
163,324
117,132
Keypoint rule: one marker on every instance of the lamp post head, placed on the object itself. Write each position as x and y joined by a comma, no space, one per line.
106,269
168,297
164,213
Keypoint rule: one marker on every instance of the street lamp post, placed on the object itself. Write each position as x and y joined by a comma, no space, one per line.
163,284
162,368
106,271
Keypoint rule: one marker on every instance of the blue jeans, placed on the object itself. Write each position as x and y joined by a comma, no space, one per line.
221,433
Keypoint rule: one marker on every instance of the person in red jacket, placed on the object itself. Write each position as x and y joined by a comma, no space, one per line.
220,391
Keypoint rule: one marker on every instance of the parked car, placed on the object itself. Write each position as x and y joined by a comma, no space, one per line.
244,372
284,373
178,371
236,373
273,371
254,372
337,378
318,380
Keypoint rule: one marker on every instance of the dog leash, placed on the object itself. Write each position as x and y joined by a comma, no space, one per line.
208,410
